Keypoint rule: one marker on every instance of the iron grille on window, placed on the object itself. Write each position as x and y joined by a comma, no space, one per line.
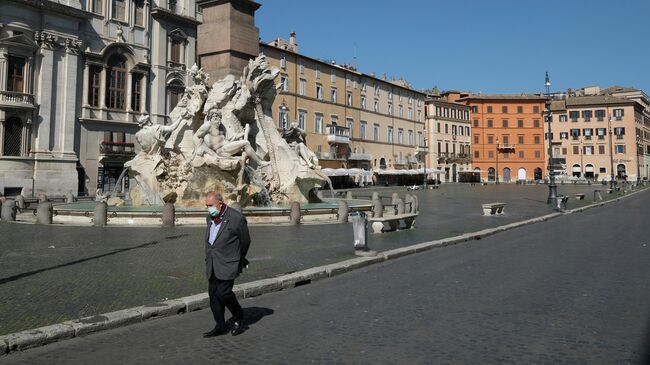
13,137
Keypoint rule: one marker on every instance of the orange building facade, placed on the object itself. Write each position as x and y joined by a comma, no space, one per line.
507,136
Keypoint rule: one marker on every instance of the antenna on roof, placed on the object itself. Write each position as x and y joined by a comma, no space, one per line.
354,55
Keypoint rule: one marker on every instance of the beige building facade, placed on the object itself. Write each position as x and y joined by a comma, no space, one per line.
599,137
448,136
352,119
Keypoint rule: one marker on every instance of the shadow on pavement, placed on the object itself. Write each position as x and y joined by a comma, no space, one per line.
34,272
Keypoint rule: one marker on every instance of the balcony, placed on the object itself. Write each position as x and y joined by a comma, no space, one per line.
337,134
16,99
505,147
117,148
421,150
331,156
360,157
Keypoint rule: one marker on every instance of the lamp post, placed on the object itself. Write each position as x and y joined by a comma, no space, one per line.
426,156
496,173
639,153
612,182
552,188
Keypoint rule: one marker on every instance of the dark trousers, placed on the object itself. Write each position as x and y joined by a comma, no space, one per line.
221,296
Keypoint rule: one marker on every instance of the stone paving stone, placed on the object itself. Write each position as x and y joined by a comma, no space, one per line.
50,274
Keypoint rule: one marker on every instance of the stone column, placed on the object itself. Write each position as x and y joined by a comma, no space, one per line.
143,94
29,67
377,208
400,206
86,85
294,217
129,88
3,69
45,98
101,214
102,88
169,215
44,213
68,119
342,211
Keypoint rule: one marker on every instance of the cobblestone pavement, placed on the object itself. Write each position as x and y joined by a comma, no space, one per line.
49,274
573,290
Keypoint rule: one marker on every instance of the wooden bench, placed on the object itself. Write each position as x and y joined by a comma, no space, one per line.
580,196
394,222
493,208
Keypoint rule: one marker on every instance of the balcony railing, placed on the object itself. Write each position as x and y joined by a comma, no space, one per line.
117,148
360,156
330,156
338,134
505,147
16,98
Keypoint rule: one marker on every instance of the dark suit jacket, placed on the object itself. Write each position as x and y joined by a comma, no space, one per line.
226,257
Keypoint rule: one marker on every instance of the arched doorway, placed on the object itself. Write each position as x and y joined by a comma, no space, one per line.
453,173
538,173
12,144
382,163
576,170
620,171
491,174
521,174
589,171
506,174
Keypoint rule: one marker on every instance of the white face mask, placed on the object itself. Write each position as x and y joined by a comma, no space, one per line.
214,211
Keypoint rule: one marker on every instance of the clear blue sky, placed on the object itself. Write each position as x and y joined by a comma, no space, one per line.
498,46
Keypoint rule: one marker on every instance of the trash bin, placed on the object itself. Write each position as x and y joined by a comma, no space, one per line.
360,230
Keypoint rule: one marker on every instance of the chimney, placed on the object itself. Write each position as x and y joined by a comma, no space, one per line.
292,42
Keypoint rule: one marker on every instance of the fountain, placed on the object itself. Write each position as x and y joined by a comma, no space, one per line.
223,138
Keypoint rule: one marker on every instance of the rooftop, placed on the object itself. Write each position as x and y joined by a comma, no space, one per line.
503,97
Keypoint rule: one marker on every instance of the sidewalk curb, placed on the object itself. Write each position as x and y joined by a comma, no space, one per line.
44,335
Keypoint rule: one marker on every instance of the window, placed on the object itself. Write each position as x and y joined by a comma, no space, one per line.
504,123
474,109
537,154
588,150
118,10
317,72
377,90
420,141
490,154
446,128
376,106
563,118
97,6
389,135
535,109
410,113
400,136
390,109
401,111
333,76
454,130
94,82
438,125
537,139
600,132
410,100
349,99
588,132
363,86
318,123
489,109
618,114
362,130
363,102
576,150
600,115
601,150
302,119
489,123
375,132
520,123
302,87
467,131
620,149
619,132
174,92
175,51
333,95
574,116
506,140
476,139
504,109
564,135
521,154
410,134
13,136
536,123
475,123
575,133
520,109
171,4
490,139
520,139
139,12
116,83
476,154
283,118
284,81
319,92
349,123
302,67
399,93
136,92
586,115
16,74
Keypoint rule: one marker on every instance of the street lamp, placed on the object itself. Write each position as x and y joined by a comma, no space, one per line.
552,188
426,155
639,153
496,173
612,182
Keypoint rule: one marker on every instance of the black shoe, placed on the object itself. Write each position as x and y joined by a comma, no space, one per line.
216,331
237,327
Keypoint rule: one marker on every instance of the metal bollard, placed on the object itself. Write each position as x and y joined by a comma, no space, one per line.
294,216
42,198
8,210
169,215
377,208
101,214
342,215
348,195
44,213
69,198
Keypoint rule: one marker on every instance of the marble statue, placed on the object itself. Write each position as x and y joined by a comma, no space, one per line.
223,138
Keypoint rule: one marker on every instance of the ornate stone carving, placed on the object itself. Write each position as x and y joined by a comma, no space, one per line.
222,137
72,45
45,40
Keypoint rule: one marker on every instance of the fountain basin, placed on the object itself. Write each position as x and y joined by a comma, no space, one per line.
81,213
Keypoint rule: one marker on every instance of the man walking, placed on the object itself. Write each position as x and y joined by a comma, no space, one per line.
227,242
